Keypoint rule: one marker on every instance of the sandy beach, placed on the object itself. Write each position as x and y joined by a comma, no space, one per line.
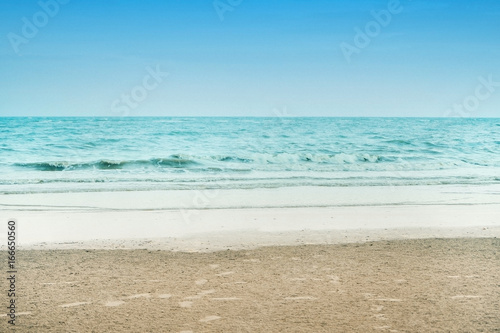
402,259
433,285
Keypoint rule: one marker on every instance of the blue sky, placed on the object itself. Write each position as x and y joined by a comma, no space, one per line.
263,58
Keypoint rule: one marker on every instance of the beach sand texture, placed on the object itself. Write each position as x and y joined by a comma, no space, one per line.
433,285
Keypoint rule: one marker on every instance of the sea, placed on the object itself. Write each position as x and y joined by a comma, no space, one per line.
41,155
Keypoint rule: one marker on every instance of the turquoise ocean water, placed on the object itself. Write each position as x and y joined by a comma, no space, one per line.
109,154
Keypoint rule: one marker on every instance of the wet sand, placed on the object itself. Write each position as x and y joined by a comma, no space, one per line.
254,215
431,285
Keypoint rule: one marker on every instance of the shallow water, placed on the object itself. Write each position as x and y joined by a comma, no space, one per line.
103,154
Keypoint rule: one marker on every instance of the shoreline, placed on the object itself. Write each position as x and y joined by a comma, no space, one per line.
282,197
251,240
239,219
217,229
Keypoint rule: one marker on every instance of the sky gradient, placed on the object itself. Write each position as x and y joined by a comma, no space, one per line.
252,58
